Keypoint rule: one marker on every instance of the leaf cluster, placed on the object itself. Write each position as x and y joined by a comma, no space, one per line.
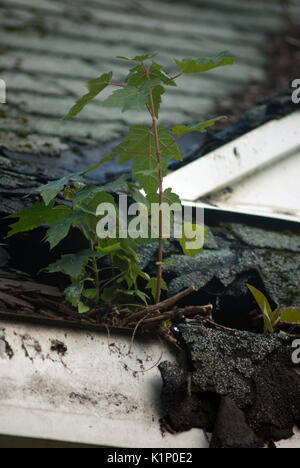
109,265
273,319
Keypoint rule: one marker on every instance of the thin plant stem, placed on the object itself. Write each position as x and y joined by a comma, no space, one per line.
97,276
161,199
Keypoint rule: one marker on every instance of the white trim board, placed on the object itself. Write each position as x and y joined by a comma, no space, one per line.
250,154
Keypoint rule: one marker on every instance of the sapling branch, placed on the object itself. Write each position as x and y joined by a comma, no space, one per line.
150,149
97,276
174,78
161,199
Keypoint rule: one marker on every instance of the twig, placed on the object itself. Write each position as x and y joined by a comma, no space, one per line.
168,303
177,314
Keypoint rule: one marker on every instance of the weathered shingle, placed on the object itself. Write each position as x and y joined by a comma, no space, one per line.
50,48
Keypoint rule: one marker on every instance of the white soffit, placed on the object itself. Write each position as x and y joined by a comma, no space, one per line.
261,170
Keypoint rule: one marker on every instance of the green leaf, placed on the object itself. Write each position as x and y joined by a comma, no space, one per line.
195,234
60,229
110,249
108,294
260,299
141,295
157,92
82,308
52,189
201,65
137,76
129,98
72,265
264,306
267,320
180,130
137,58
140,146
168,146
291,315
158,72
139,198
169,197
73,293
90,203
90,192
37,215
152,284
140,139
95,86
276,317
132,97
90,294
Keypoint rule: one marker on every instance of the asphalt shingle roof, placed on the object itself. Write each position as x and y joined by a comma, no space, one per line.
49,48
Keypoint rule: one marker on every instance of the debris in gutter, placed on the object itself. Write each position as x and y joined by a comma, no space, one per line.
254,371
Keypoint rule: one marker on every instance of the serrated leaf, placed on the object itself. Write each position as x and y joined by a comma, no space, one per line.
291,315
203,64
52,189
140,146
110,249
158,72
87,194
37,215
95,86
173,201
156,95
72,265
180,130
60,229
137,76
152,284
144,171
73,293
169,197
90,203
129,98
139,198
137,58
192,233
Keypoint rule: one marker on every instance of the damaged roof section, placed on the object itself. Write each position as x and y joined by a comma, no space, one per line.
254,373
236,254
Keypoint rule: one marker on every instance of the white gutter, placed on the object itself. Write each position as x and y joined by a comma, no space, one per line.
259,167
96,393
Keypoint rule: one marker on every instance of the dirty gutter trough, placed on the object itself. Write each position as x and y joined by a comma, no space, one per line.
74,386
